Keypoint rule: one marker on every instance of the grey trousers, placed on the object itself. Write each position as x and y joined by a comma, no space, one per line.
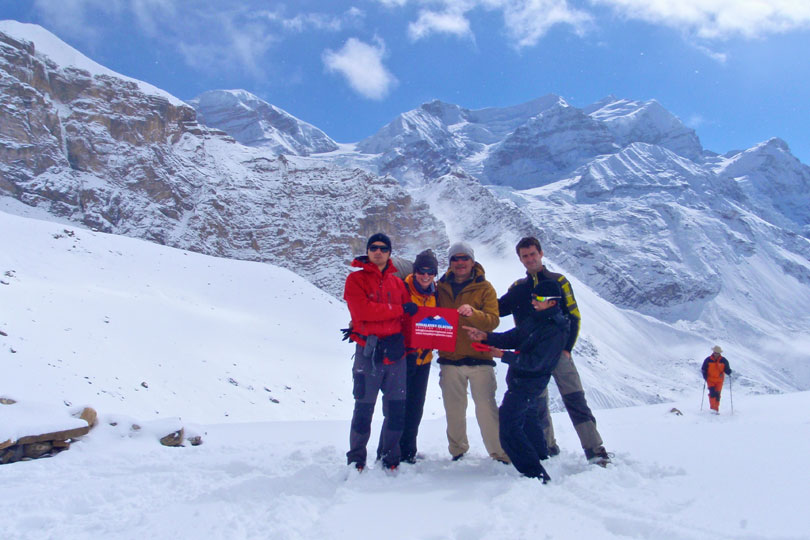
568,382
369,379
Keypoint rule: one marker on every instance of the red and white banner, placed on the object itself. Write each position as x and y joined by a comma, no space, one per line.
434,328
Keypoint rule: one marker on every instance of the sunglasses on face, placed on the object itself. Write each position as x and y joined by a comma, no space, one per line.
544,298
375,247
425,271
457,258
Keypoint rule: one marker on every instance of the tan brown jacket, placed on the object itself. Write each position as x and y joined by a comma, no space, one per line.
480,294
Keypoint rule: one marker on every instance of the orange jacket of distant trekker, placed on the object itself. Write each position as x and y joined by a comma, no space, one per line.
715,368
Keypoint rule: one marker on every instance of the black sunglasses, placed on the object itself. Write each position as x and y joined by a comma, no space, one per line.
426,271
375,247
457,258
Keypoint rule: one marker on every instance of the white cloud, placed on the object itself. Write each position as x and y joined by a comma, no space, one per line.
527,21
719,19
362,67
316,21
431,22
393,3
73,17
718,57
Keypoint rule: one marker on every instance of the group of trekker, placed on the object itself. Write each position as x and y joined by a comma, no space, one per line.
539,347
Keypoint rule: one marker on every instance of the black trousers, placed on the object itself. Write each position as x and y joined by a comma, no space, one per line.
521,431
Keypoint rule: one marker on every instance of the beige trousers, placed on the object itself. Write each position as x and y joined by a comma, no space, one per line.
453,381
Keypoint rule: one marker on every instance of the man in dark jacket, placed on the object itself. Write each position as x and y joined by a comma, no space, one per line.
715,368
538,342
516,302
378,303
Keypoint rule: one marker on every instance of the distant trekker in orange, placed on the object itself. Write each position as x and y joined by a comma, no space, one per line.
714,369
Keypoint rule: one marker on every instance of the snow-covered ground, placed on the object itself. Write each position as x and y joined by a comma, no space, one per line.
696,476
249,357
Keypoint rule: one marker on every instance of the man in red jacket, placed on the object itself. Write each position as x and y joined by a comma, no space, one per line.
378,304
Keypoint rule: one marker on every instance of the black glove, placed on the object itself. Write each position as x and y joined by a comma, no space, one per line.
346,333
410,308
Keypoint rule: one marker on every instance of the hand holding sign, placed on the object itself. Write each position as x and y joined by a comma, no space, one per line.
465,310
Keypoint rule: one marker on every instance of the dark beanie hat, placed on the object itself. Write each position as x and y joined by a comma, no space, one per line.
547,288
379,237
426,261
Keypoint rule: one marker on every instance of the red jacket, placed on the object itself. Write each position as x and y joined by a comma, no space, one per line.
375,300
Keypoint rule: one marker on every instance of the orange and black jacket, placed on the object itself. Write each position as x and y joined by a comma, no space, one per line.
423,356
715,368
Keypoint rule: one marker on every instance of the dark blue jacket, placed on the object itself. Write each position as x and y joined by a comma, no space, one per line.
537,341
516,302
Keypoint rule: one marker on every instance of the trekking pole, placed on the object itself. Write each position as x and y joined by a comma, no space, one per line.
731,393
703,394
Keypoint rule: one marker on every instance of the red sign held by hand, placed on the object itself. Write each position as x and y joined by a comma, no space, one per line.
433,328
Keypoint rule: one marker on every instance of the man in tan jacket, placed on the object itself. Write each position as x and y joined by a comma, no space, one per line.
465,289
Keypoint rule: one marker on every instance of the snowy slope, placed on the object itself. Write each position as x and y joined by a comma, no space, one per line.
690,477
90,316
99,315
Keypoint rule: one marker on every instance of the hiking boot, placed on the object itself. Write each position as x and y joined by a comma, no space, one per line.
600,457
458,457
553,450
359,466
410,460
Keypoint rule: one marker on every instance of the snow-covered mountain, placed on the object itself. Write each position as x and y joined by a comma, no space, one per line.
624,199
254,122
104,152
635,121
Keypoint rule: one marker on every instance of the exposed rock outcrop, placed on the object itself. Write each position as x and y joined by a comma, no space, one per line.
97,149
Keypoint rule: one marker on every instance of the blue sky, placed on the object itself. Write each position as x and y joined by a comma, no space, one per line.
734,70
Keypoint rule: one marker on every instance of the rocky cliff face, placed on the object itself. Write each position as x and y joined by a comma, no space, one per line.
97,149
